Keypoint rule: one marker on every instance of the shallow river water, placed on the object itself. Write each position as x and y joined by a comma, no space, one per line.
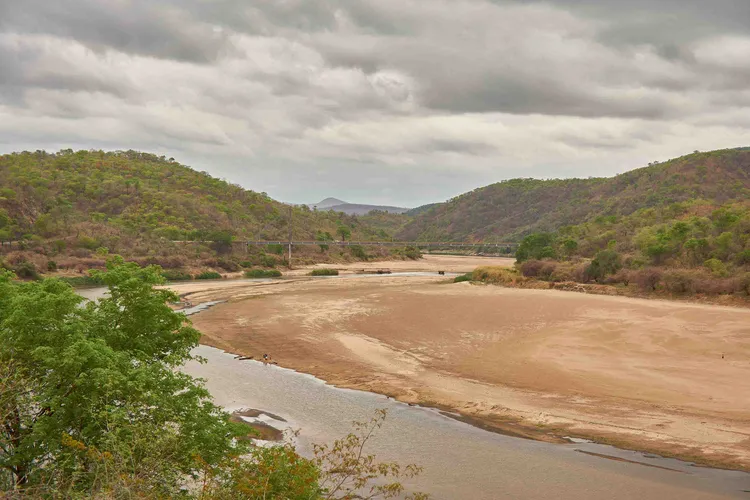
460,461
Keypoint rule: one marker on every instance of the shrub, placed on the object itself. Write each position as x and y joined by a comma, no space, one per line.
531,268
26,271
604,263
51,266
228,265
646,279
263,273
176,275
462,278
743,283
494,274
358,252
717,268
679,281
324,272
268,261
277,249
208,275
743,258
87,242
412,253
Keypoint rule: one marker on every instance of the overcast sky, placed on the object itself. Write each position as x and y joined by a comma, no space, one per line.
399,102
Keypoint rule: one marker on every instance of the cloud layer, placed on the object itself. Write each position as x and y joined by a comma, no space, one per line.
384,101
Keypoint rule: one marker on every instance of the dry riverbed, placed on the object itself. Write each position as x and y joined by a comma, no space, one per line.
668,377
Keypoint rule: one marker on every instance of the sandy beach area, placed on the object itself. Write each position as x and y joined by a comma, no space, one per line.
667,377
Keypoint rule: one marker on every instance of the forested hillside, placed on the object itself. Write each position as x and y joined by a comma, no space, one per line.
86,204
511,209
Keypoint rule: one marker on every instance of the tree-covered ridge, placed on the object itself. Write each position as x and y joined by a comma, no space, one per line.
511,209
54,195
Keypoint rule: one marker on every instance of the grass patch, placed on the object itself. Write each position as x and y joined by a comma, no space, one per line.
496,274
208,275
324,272
263,273
462,278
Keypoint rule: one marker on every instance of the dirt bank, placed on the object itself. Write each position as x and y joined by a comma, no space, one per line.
652,375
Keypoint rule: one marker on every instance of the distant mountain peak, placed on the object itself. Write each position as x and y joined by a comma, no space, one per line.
329,202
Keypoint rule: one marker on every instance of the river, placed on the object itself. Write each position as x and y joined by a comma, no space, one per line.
459,460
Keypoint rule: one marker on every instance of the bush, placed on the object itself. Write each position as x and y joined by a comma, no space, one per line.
324,272
494,274
26,271
277,249
717,268
51,266
208,275
358,252
262,273
743,283
462,278
531,268
743,258
228,265
176,275
604,263
646,279
412,253
679,281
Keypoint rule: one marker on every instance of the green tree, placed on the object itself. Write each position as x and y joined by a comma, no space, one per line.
605,263
344,232
103,375
536,246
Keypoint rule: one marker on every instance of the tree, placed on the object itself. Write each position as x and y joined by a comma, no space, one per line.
101,376
344,232
536,246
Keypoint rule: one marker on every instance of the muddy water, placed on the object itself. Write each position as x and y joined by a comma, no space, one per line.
460,461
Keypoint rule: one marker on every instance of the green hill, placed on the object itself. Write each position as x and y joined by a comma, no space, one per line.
137,204
512,209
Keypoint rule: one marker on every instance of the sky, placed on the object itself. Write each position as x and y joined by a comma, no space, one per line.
397,102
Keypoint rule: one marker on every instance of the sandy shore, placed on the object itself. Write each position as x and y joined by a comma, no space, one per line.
652,375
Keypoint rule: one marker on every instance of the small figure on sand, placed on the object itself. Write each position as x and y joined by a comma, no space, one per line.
266,359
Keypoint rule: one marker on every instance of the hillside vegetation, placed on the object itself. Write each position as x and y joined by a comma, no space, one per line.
511,209
85,204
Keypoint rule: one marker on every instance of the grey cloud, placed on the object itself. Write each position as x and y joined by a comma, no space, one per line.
380,93
131,26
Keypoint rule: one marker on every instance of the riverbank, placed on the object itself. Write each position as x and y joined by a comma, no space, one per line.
543,364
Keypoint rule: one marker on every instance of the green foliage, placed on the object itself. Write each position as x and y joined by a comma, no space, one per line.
82,281
263,273
88,378
717,268
176,275
536,246
141,200
462,278
344,232
359,252
51,266
605,263
276,249
511,209
324,272
93,405
26,271
208,275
